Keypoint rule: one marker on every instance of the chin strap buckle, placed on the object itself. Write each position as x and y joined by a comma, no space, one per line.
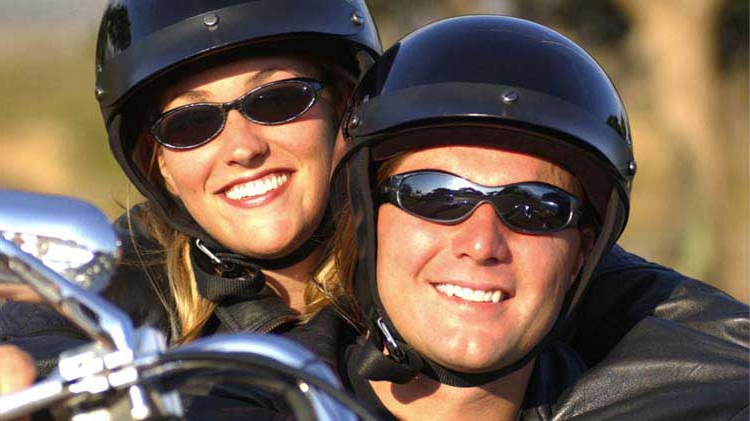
390,343
207,252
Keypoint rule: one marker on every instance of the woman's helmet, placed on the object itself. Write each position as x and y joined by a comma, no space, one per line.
143,43
492,81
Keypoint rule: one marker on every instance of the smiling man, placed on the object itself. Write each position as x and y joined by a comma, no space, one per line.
488,170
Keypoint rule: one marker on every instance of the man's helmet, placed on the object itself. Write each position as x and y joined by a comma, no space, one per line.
143,43
492,81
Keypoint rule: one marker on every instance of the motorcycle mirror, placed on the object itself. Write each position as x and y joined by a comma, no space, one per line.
66,250
68,235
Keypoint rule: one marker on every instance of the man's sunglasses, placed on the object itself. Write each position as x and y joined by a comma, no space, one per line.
277,102
528,207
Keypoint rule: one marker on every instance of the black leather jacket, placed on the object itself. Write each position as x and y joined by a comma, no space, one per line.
650,343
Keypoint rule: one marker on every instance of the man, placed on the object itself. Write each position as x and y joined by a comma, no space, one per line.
489,170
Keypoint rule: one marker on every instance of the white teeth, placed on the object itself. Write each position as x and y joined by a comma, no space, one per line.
497,296
257,187
479,296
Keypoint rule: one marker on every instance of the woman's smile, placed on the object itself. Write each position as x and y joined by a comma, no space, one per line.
259,190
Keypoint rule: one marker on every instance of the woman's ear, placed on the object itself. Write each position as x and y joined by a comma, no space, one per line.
165,173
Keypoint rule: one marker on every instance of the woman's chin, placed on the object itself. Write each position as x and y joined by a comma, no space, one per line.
265,252
272,248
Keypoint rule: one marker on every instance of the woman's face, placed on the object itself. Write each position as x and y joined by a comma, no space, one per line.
259,190
420,262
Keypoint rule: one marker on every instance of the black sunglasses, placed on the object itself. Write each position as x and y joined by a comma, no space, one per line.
277,102
528,207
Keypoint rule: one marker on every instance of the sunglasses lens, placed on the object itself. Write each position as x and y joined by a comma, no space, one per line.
279,102
189,126
441,197
526,207
534,208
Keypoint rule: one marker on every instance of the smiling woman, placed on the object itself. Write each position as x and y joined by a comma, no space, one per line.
224,114
229,131
257,188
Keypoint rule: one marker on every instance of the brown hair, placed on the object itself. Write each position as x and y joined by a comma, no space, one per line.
192,310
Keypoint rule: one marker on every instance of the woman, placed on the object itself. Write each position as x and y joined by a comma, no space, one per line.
234,195
224,114
500,178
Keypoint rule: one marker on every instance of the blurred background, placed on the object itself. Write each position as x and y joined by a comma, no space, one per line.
681,67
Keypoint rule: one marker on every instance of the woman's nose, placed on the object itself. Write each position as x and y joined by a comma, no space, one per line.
482,237
242,140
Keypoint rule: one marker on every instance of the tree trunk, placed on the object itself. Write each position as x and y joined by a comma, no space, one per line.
675,41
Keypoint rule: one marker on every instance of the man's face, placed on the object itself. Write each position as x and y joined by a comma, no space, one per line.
421,265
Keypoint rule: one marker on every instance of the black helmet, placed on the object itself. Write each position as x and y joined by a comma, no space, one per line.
515,85
142,42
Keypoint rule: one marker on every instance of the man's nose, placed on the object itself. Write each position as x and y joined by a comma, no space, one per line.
482,237
242,140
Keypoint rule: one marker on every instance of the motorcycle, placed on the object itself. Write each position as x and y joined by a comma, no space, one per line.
66,250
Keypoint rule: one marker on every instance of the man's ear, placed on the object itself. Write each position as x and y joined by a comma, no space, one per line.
165,173
588,236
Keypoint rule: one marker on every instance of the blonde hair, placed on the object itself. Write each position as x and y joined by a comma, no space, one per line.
191,310
342,250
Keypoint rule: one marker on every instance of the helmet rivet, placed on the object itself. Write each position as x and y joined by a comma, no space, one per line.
632,167
211,20
99,92
354,122
510,97
358,19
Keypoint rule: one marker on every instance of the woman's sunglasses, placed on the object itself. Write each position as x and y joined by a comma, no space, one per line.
277,102
529,207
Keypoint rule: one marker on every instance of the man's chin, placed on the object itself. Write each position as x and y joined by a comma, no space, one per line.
464,363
